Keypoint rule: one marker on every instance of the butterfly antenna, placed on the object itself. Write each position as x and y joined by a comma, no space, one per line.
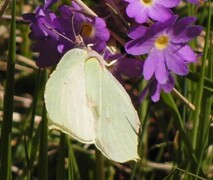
78,39
72,23
58,33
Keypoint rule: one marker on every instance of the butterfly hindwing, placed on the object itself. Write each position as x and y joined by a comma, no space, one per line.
116,121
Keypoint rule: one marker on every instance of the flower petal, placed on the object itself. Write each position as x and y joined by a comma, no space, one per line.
48,54
163,26
133,9
143,93
130,67
142,15
101,31
186,53
137,32
29,17
164,13
181,24
168,3
161,73
169,84
187,34
137,47
155,93
136,10
149,65
175,63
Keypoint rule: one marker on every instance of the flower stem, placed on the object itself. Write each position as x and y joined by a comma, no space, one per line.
43,159
99,165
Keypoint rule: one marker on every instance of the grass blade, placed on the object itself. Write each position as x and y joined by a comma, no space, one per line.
43,159
60,171
5,170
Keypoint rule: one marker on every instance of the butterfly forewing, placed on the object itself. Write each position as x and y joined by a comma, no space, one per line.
65,98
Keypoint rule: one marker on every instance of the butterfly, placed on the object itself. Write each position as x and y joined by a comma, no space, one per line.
84,100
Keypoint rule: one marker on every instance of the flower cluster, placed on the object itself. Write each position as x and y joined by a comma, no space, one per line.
165,43
141,10
157,34
55,35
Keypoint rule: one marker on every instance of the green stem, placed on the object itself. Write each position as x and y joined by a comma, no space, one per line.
43,159
5,170
204,126
3,7
34,105
99,165
73,171
199,94
60,171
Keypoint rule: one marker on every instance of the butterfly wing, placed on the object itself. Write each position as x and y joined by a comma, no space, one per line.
116,120
65,98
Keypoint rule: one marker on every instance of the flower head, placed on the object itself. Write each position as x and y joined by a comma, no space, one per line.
92,30
55,35
166,46
46,39
157,10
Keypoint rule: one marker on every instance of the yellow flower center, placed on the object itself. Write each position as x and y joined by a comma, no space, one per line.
162,42
147,2
87,30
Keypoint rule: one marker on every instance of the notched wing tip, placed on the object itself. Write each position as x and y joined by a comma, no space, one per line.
136,159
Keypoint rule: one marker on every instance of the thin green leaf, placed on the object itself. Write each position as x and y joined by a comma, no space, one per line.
199,92
99,165
5,166
60,171
191,160
3,6
73,171
43,159
208,83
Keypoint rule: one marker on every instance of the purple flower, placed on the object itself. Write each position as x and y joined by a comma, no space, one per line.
46,39
166,46
154,88
157,10
55,35
92,30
